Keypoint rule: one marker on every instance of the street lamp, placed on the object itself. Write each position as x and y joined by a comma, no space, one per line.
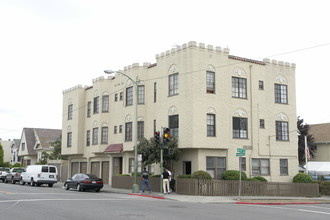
135,188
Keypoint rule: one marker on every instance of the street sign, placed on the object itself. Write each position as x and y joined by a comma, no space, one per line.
240,152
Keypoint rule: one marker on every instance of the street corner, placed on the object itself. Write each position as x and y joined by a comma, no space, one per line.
146,195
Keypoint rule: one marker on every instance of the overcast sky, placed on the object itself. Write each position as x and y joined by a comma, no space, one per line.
47,46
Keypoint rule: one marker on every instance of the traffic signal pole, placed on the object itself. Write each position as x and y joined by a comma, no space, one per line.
161,160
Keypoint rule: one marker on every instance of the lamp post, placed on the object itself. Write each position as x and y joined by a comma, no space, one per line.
135,188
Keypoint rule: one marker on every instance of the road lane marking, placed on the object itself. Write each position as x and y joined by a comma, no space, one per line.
6,192
301,210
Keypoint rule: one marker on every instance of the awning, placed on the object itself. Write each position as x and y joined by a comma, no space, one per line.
114,148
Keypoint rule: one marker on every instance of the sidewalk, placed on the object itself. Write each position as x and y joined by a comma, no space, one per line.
224,199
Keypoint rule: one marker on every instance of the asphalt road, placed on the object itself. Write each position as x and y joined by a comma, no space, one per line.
26,202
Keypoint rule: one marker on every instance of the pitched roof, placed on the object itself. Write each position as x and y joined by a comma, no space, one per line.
320,132
44,135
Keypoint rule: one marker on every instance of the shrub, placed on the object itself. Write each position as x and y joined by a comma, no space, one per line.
302,178
156,175
200,174
123,175
184,176
259,178
232,175
324,187
17,165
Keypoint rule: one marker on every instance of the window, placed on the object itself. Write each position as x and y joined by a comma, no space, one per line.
174,125
121,96
173,82
105,103
240,127
128,131
131,165
23,146
69,139
115,129
141,94
95,135
284,171
129,96
96,105
261,85
104,135
89,109
281,94
282,131
140,130
155,92
210,82
260,167
70,110
262,123
116,97
120,129
242,162
215,166
210,121
88,138
239,87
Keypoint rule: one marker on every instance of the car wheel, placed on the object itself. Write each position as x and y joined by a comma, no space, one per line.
78,188
32,183
21,182
50,185
97,190
12,181
66,186
5,180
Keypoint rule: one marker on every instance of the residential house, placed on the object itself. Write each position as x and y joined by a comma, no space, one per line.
6,144
212,101
321,145
34,141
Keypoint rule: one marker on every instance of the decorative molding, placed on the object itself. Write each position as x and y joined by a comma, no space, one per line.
96,93
211,68
240,112
140,118
69,128
281,79
173,110
173,69
240,72
95,123
211,111
104,124
282,116
105,93
128,118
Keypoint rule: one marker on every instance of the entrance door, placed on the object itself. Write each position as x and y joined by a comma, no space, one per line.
95,168
105,172
117,166
74,168
186,167
83,167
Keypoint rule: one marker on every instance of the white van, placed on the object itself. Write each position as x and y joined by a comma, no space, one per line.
39,174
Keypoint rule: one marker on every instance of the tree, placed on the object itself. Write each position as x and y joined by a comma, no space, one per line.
303,130
1,155
56,154
150,151
44,158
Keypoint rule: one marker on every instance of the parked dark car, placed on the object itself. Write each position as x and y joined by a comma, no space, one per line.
82,182
14,175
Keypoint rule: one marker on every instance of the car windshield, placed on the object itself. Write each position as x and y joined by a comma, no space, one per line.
19,170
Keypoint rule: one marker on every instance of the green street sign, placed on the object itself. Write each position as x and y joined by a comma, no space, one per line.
240,154
241,150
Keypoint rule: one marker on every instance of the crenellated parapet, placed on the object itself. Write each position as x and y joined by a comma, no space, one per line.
192,45
279,63
78,87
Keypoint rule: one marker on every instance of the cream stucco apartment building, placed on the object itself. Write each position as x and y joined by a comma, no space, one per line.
212,101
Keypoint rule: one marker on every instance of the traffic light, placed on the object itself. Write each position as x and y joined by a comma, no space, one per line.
157,137
166,135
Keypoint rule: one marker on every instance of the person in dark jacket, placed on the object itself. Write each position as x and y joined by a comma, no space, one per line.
145,180
166,182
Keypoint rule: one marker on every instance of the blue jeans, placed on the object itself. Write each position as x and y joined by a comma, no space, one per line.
145,182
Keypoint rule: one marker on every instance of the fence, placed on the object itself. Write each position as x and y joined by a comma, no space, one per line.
248,188
226,187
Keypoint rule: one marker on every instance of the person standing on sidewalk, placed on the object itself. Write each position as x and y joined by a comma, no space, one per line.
145,180
166,183
169,179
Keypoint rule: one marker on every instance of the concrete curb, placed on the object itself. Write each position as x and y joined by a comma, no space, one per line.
276,203
149,196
